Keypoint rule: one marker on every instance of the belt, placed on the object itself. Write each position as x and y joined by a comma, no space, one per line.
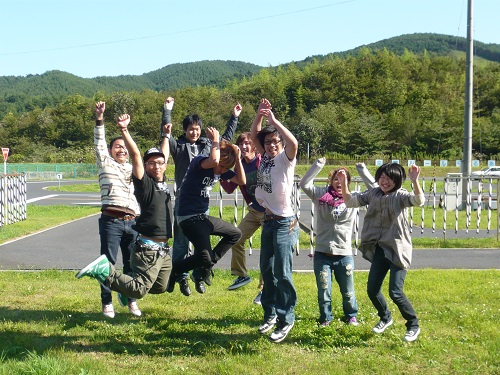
270,217
162,248
118,215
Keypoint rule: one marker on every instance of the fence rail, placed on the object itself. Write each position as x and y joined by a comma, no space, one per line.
12,199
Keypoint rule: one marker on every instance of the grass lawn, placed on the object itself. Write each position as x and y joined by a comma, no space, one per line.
51,324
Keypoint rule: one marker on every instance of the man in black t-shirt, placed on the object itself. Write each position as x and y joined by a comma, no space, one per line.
151,260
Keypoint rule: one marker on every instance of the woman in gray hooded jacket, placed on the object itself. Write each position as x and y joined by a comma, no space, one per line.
333,255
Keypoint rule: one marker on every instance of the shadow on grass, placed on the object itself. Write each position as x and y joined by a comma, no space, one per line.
42,331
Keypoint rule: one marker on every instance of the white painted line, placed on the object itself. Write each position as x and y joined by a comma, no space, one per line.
40,198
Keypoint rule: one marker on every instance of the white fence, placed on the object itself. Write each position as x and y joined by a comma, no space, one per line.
12,199
442,197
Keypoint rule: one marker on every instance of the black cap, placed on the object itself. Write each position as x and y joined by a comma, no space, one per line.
153,152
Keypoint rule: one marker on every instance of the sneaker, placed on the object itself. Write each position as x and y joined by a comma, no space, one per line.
281,332
184,287
123,299
98,269
381,326
412,334
134,309
268,325
256,300
352,321
108,311
239,282
326,323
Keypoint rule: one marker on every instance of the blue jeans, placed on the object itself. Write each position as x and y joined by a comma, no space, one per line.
276,254
114,234
342,267
378,270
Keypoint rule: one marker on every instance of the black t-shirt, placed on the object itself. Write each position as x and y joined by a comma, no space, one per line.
194,197
156,208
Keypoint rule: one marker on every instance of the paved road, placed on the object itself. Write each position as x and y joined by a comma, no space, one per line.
75,244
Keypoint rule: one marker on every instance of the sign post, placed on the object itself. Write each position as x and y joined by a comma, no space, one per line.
5,152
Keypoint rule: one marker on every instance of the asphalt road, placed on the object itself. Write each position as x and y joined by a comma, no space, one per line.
73,245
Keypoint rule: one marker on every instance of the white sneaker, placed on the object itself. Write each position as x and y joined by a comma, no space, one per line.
412,334
281,332
381,326
108,311
134,309
268,325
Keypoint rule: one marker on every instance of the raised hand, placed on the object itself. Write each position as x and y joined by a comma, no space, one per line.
413,172
100,107
237,110
342,176
123,121
169,102
212,134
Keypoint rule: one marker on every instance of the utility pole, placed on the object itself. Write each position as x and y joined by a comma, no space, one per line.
466,167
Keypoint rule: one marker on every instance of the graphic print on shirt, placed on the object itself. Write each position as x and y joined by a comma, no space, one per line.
264,174
208,184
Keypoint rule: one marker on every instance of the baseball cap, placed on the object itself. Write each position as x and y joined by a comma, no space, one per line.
153,152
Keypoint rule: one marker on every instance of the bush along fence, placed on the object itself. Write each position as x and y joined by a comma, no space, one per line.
12,199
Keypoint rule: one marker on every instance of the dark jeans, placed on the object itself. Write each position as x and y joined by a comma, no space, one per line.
198,230
114,234
378,270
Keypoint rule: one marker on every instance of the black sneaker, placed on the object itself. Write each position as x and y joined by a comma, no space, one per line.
239,282
281,332
184,287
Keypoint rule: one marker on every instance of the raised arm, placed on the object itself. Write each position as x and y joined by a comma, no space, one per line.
166,116
291,144
101,147
346,193
240,177
165,141
214,156
366,176
413,173
135,155
257,126
307,182
232,124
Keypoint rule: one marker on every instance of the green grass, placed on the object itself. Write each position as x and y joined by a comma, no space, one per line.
51,324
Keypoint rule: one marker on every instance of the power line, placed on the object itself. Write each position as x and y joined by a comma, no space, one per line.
180,31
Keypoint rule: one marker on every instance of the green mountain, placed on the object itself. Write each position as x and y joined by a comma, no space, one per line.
22,94
435,44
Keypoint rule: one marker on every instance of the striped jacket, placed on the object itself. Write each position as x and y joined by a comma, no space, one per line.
115,179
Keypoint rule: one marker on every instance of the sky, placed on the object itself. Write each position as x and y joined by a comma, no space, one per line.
120,37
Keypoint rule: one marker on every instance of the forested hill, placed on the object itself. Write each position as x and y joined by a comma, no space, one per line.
46,89
436,44
22,94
